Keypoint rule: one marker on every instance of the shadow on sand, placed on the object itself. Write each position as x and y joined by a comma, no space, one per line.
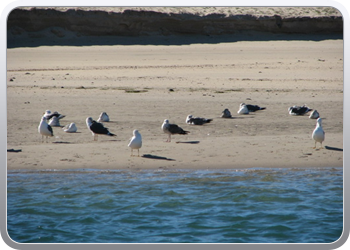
156,157
333,148
188,142
14,150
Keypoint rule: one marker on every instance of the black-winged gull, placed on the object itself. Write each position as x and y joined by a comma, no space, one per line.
253,108
135,142
172,129
298,110
97,128
48,115
318,134
44,129
197,120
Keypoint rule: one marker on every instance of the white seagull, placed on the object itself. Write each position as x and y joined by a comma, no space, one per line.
54,122
44,129
103,117
97,128
243,109
318,134
172,129
135,142
70,128
314,114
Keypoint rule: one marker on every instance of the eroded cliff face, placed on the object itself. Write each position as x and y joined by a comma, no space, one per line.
138,23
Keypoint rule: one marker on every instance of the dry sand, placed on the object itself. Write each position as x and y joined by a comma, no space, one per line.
132,84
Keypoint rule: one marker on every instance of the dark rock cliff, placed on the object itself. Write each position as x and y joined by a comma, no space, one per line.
138,23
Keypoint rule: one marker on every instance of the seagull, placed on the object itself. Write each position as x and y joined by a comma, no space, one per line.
252,108
44,129
314,114
226,114
103,117
48,115
197,120
70,128
298,110
172,129
54,122
318,134
243,109
135,142
97,128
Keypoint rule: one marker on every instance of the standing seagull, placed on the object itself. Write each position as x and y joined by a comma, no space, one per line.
172,129
318,134
44,129
103,117
97,128
197,120
135,142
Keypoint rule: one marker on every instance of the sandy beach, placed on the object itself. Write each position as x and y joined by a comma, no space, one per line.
141,85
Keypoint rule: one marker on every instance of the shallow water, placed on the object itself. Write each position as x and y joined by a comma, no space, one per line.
176,206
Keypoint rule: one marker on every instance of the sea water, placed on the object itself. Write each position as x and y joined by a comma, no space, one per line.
293,205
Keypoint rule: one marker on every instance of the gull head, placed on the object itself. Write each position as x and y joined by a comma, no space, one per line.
89,121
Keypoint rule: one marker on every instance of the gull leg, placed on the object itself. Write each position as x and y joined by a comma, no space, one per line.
138,152
95,137
315,145
131,152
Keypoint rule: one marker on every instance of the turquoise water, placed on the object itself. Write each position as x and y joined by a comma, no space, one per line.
176,206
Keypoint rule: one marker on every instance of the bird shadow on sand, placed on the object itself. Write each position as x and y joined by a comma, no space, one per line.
237,117
61,142
156,157
14,150
189,142
333,148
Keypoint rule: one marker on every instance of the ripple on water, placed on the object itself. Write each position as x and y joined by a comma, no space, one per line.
204,206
